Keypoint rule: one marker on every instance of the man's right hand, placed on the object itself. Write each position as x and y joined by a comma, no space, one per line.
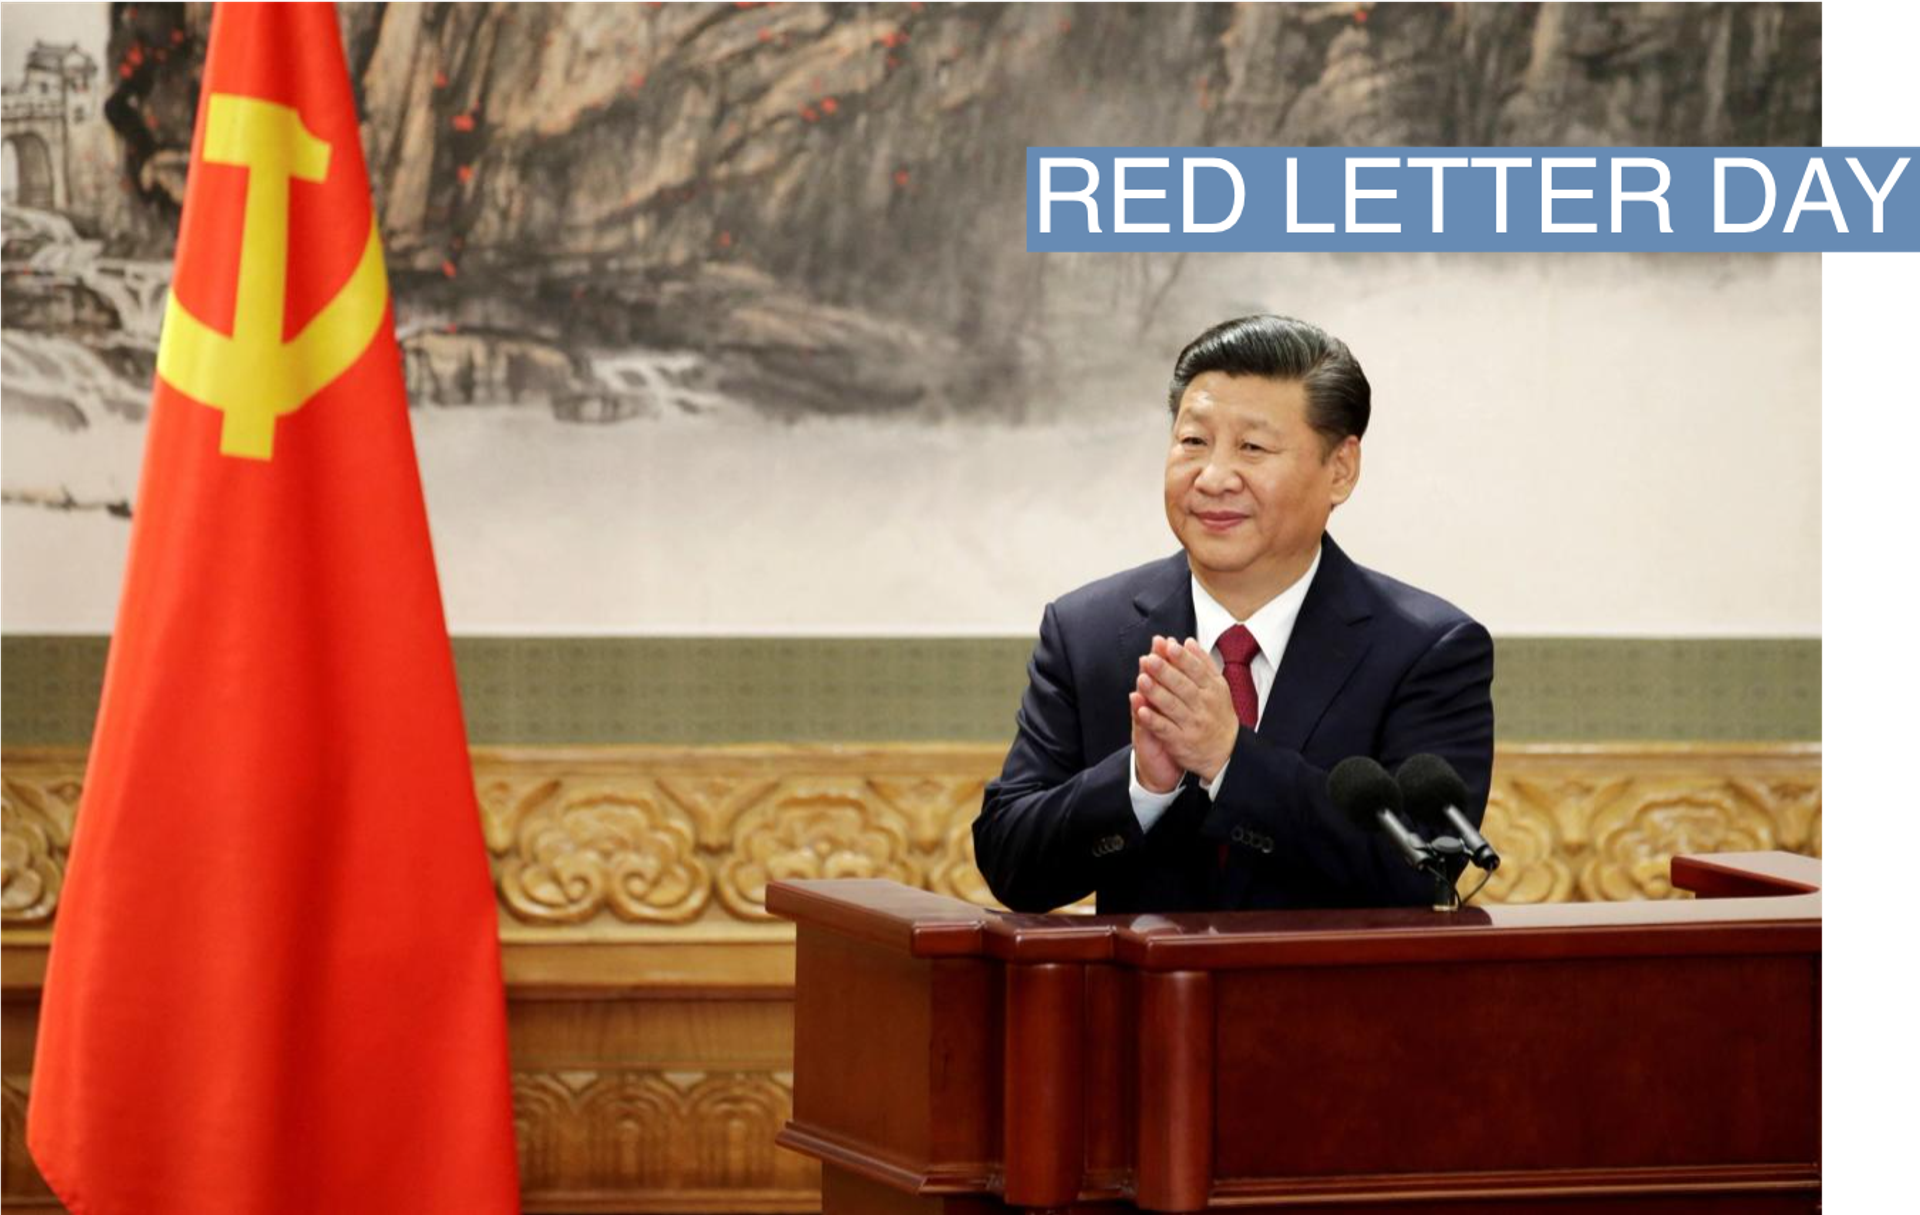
1156,769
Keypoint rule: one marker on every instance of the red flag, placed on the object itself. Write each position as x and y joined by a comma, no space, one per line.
275,978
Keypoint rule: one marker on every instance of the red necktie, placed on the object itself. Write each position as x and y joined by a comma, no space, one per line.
1237,648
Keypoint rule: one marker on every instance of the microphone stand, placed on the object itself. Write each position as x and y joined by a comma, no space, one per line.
1440,851
1432,857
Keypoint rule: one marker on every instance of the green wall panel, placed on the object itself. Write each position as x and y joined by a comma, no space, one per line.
736,690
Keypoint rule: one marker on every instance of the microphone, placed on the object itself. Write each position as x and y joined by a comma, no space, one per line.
1433,793
1363,791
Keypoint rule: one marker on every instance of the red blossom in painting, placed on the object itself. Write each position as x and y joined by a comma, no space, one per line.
449,269
829,105
463,122
464,173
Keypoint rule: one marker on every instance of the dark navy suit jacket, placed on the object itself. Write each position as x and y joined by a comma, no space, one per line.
1373,667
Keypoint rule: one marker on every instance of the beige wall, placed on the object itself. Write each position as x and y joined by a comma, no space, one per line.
1587,445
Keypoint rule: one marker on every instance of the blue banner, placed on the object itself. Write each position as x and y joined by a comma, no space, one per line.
1658,200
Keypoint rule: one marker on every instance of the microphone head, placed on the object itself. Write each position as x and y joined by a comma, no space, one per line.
1360,789
1429,784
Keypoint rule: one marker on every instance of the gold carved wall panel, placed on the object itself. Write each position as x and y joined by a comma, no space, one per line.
680,1140
565,852
36,828
20,1182
656,837
648,987
1600,823
813,827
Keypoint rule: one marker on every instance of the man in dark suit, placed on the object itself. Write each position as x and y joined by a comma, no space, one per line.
1180,718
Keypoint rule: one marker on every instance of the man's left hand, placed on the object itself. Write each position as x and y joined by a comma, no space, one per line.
1189,708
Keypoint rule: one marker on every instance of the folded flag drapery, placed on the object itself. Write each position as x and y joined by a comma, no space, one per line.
275,984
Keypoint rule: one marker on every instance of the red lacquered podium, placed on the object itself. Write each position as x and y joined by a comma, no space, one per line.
1647,1057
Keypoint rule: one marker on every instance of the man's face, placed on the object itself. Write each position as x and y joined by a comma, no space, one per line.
1249,484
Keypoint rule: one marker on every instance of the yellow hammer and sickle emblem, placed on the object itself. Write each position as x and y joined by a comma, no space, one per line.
254,376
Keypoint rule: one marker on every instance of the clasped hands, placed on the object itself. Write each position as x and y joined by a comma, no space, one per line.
1183,715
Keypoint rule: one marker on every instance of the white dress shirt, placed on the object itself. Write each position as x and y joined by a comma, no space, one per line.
1271,626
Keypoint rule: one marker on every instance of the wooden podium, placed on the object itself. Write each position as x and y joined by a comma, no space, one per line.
1646,1057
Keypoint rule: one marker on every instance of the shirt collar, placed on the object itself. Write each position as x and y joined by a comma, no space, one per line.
1271,626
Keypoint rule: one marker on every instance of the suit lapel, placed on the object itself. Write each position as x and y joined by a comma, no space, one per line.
1164,603
1328,641
1329,638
